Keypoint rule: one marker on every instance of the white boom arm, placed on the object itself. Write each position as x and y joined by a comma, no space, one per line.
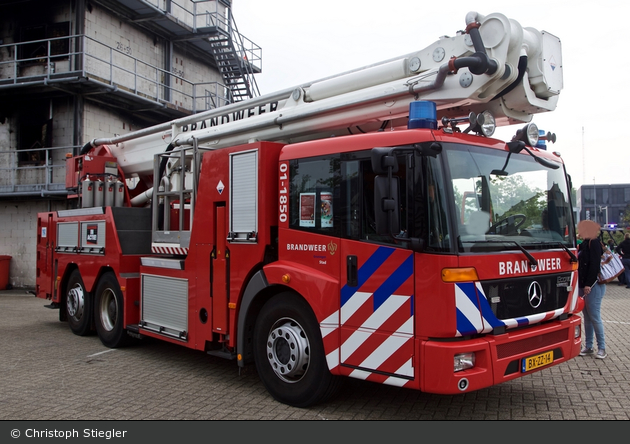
496,65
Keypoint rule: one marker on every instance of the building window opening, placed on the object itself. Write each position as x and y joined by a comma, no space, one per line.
40,36
35,133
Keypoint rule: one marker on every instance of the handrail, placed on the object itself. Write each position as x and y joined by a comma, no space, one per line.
110,66
78,57
206,14
47,176
249,62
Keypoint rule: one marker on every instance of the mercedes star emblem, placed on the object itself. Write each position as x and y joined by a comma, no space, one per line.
535,294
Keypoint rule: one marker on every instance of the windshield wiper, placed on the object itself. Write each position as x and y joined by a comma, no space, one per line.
532,259
573,257
564,247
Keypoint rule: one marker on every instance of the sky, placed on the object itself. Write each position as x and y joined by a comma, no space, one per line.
307,40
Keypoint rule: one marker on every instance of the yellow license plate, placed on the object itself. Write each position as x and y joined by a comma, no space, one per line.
534,362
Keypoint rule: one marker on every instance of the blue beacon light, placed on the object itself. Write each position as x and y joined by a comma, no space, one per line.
422,114
541,141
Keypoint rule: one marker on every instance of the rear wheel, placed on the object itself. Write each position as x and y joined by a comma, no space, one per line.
108,312
289,353
78,305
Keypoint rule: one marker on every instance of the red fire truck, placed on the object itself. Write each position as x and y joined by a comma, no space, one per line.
364,225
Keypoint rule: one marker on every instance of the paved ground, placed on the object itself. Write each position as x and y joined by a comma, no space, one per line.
50,374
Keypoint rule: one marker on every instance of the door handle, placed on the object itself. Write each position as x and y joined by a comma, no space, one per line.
351,271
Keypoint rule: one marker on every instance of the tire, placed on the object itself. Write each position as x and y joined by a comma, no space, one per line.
109,311
78,306
289,353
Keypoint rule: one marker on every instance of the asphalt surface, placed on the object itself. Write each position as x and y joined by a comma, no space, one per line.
48,373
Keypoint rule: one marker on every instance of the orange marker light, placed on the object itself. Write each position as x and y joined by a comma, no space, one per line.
459,274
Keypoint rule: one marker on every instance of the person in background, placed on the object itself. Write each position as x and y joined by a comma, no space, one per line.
624,250
589,260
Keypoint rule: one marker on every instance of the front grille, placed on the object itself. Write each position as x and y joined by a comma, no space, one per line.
533,343
509,298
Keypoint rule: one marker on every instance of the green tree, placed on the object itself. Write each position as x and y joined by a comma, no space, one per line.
511,195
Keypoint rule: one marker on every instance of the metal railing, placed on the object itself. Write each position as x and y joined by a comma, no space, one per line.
199,15
44,177
117,69
250,54
102,64
79,57
108,65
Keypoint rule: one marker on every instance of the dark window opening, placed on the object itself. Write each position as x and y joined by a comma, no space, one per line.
35,133
42,37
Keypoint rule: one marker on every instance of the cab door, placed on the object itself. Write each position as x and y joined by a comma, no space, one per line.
376,313
376,310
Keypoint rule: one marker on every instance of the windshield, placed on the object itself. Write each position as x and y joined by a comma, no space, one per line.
499,201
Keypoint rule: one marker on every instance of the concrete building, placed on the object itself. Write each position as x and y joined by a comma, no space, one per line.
603,203
75,70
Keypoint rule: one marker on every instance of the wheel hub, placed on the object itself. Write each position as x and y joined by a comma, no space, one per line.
288,350
108,310
75,302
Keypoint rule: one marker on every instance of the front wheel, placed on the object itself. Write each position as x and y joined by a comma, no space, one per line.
108,312
78,305
289,353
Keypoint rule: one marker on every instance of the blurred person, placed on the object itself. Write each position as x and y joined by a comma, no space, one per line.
589,260
624,250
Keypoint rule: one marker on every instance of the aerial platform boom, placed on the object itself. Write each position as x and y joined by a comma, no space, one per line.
495,65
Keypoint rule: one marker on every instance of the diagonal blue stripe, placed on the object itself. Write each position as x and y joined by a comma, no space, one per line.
469,290
393,282
366,271
464,326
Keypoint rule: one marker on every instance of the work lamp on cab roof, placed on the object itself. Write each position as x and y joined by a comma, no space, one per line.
487,123
528,134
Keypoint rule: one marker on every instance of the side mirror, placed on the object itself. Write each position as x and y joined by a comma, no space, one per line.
386,205
383,160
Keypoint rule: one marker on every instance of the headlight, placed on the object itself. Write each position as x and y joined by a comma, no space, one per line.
487,123
463,361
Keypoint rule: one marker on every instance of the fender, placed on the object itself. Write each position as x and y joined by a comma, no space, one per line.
320,290
256,284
